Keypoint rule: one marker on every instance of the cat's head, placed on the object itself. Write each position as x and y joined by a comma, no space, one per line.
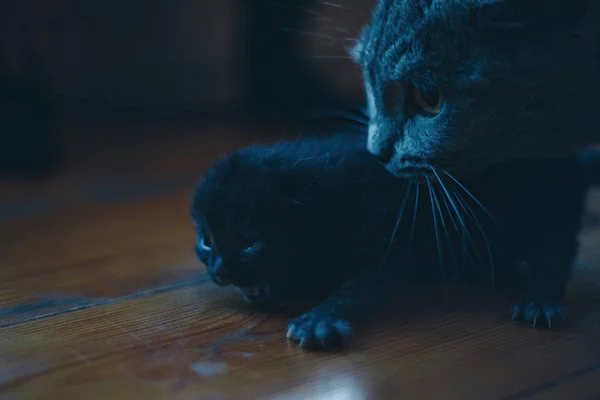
461,84
248,227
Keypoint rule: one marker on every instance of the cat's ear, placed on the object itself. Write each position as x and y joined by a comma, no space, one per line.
357,50
500,16
508,17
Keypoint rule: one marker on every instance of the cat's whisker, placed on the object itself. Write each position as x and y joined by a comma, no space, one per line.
436,229
470,246
332,40
414,221
463,231
460,227
349,116
364,111
398,220
469,211
327,58
295,8
443,225
459,210
342,30
328,3
461,186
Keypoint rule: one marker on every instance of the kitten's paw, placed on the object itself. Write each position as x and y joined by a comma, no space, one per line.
539,314
317,331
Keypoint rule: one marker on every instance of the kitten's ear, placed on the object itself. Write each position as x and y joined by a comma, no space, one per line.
290,189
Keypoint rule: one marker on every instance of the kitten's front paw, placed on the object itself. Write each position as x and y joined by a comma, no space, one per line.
318,331
536,312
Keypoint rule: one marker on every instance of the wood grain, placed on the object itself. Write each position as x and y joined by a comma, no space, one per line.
101,298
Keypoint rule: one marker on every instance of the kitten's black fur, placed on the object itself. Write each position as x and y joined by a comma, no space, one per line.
318,215
509,79
29,145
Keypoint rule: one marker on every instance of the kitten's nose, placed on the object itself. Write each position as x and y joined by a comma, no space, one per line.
218,273
202,252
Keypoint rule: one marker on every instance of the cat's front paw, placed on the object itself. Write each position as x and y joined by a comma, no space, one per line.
314,330
539,314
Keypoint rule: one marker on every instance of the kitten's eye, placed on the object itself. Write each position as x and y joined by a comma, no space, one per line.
206,242
250,249
205,239
430,101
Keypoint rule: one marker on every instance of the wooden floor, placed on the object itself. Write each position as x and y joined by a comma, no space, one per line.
102,298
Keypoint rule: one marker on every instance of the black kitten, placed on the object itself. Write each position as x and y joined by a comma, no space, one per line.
322,215
462,84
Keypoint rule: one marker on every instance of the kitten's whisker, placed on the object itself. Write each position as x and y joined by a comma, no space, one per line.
436,229
460,185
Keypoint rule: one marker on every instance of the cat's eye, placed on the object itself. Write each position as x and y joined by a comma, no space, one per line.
430,101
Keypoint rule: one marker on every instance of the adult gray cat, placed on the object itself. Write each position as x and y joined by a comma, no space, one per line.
463,84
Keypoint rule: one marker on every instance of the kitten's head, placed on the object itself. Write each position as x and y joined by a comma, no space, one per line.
460,84
249,227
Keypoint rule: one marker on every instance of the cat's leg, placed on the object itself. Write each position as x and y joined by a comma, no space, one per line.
550,245
330,324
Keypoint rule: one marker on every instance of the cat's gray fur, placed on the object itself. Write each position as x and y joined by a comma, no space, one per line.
520,79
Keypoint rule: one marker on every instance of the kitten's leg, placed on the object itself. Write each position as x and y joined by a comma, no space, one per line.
330,323
550,248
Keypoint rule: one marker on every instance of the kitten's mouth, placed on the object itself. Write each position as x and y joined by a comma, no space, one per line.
256,293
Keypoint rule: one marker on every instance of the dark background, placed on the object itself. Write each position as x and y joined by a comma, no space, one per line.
175,59
160,55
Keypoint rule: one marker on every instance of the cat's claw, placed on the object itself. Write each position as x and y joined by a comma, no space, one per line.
533,312
313,331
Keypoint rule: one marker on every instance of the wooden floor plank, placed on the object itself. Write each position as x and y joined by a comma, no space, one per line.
93,250
581,384
113,222
201,341
101,297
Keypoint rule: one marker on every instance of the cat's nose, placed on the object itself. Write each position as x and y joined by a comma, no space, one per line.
382,137
384,156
